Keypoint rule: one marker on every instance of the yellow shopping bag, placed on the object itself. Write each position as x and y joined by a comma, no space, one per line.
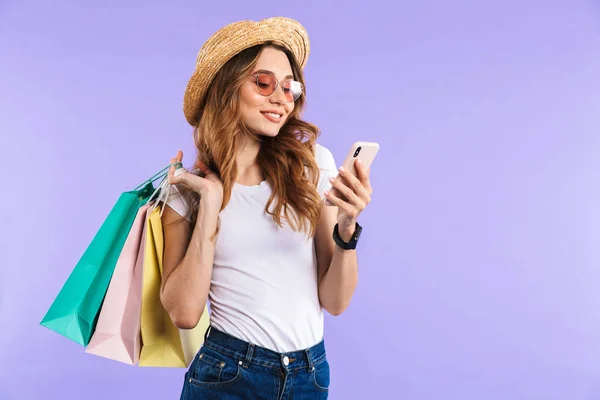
163,344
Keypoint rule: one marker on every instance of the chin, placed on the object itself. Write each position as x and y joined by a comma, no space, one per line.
267,132
270,133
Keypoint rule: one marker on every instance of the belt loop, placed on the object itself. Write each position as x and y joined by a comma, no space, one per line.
311,367
248,357
206,333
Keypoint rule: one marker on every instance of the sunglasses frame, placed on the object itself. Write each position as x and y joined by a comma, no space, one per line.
278,85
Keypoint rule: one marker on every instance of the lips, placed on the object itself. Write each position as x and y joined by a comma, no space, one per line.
272,116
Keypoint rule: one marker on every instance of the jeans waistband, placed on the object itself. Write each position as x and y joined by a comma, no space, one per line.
247,353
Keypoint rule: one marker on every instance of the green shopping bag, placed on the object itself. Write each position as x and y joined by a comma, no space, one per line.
76,308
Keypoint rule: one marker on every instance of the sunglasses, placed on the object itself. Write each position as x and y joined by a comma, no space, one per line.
267,84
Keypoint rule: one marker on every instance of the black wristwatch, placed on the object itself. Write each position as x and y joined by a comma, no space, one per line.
351,245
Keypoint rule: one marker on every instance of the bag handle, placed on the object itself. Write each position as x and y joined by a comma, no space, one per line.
161,189
160,174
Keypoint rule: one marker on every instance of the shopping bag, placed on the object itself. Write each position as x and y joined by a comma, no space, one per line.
74,312
162,344
117,333
192,339
179,198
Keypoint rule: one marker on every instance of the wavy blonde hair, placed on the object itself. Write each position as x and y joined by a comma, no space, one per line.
287,160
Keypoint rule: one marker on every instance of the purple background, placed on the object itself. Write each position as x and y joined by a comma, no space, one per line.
480,261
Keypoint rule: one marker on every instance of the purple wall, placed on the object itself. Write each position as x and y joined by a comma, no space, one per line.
480,259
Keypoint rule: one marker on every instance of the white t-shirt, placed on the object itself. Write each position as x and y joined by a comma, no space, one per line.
264,282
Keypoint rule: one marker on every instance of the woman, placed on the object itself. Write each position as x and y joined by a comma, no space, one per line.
259,242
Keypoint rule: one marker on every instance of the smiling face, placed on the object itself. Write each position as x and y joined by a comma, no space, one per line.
264,114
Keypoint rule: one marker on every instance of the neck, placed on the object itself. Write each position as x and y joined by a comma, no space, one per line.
249,172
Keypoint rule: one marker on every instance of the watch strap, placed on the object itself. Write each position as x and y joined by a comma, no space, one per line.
350,245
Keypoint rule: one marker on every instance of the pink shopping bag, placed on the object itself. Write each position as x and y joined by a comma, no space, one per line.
117,334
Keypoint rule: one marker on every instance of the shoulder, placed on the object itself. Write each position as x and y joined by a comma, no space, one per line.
324,158
327,168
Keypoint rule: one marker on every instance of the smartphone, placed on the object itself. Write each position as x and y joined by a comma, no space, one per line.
366,152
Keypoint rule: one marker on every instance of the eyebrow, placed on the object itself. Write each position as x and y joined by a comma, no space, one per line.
266,71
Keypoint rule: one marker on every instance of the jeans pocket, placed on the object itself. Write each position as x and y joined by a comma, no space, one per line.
320,375
214,369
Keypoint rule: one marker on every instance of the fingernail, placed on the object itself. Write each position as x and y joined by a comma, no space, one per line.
326,192
342,169
332,179
359,161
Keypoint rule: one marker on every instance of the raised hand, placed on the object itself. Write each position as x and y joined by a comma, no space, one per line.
351,194
208,184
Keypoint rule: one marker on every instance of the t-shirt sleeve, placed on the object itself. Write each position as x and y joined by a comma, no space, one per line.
180,198
327,168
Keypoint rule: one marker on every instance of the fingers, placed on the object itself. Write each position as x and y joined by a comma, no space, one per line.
171,169
173,179
347,208
173,162
192,180
363,176
185,179
334,192
201,165
206,171
355,185
344,190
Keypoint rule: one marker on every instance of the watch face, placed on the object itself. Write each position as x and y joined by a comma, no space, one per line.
357,232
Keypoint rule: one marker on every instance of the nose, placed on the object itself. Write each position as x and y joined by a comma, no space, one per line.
278,96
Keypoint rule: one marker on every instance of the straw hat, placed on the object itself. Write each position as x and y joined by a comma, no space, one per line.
232,39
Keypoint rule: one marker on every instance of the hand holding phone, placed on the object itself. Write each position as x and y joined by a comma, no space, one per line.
363,151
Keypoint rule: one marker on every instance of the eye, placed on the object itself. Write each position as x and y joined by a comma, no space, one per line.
265,81
292,87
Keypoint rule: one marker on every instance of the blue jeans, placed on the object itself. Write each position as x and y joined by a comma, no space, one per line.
229,368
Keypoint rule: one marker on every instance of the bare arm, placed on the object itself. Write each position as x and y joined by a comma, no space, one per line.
190,248
188,262
337,268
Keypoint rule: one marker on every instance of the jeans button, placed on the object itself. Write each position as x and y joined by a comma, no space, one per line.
286,361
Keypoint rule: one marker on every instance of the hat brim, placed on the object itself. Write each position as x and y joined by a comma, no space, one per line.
232,39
